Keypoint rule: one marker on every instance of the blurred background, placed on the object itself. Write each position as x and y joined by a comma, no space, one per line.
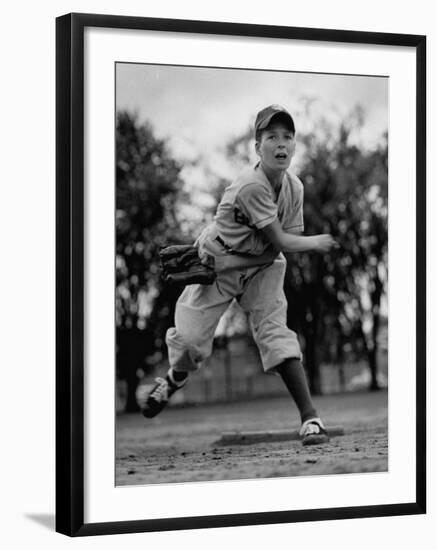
182,135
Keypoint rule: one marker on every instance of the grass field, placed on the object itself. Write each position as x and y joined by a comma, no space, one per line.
179,445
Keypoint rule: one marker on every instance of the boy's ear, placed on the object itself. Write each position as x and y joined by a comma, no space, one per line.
257,147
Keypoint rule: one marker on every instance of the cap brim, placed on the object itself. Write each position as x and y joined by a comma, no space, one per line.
281,114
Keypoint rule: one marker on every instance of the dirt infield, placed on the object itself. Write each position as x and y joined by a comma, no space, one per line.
180,444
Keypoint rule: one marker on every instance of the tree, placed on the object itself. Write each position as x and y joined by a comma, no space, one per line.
339,295
334,300
147,190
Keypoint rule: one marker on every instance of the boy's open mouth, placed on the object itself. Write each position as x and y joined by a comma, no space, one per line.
282,156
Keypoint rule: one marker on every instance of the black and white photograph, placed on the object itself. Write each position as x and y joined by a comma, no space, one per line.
251,274
218,282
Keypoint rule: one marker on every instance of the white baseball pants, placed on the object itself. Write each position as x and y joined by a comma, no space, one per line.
259,291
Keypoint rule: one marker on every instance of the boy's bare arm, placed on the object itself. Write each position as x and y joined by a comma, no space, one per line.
288,242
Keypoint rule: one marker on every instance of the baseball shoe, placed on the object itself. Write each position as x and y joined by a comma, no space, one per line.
313,432
160,394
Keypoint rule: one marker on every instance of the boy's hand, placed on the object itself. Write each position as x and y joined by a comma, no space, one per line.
324,243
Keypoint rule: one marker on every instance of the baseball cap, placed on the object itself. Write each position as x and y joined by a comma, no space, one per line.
264,117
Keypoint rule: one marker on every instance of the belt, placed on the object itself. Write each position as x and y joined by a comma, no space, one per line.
225,246
230,250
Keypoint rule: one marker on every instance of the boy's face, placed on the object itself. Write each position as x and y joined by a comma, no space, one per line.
276,146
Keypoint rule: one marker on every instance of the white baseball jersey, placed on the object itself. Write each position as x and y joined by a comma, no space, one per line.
251,203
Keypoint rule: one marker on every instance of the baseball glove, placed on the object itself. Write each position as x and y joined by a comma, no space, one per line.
180,264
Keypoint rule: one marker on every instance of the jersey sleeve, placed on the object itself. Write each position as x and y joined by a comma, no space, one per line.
295,223
255,203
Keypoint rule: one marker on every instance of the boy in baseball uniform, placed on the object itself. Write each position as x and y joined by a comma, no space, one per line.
259,217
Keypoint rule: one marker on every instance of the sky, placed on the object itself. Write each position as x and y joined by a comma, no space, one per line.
201,109
198,111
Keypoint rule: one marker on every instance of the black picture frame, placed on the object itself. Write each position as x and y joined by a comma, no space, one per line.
70,273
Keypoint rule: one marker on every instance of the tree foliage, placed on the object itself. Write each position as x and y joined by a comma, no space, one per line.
338,296
335,299
147,192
